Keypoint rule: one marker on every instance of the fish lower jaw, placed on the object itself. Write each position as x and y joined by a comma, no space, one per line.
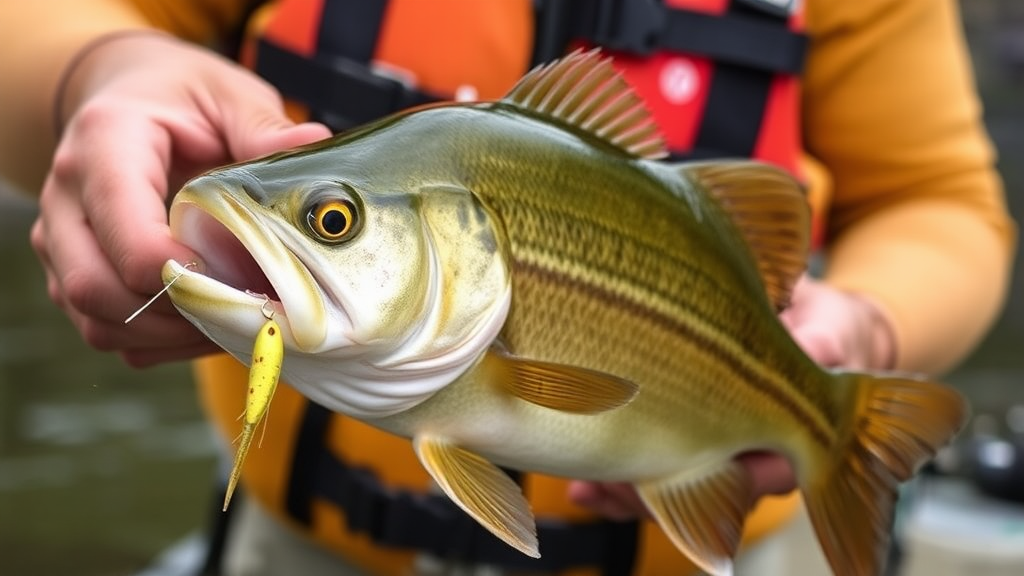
218,308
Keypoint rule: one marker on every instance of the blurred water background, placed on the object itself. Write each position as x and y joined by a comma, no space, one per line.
103,466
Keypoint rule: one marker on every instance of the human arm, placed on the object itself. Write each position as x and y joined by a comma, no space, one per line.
143,111
918,224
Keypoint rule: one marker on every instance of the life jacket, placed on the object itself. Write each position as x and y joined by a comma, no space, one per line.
722,79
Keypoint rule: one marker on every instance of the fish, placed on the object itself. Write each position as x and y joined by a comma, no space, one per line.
527,283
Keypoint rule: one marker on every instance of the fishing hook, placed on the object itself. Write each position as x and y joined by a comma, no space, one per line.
269,315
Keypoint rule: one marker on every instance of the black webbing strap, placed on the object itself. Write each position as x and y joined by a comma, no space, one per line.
736,100
749,44
744,38
351,28
338,84
434,524
340,92
219,525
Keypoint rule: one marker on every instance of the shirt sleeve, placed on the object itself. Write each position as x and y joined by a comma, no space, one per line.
918,221
42,38
202,21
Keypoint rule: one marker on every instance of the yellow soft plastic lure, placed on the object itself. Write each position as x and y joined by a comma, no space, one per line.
264,371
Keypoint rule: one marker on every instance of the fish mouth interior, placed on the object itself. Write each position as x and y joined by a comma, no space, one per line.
225,258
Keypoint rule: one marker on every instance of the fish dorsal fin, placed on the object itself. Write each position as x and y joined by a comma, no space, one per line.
702,511
584,89
771,212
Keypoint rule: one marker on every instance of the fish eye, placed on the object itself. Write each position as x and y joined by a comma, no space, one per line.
333,220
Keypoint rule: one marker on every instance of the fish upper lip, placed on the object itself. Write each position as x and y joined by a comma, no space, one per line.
295,294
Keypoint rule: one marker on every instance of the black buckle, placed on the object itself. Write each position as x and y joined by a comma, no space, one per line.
339,91
778,8
758,39
635,26
390,92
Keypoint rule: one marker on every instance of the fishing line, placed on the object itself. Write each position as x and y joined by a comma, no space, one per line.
158,294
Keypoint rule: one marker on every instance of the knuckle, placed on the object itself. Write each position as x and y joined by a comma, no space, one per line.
82,292
93,115
55,294
66,165
97,335
137,272
37,239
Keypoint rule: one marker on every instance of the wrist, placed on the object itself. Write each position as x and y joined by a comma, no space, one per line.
71,84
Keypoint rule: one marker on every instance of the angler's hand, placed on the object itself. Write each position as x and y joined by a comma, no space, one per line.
840,329
836,329
143,112
770,474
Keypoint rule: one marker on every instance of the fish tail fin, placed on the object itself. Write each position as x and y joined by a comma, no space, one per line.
896,425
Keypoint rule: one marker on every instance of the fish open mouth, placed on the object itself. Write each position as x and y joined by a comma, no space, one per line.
248,272
227,260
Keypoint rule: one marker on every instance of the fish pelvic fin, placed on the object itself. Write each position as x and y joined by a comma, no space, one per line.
584,90
769,209
559,386
897,425
482,490
702,511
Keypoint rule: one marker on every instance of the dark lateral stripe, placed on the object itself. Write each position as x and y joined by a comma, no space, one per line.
726,359
582,255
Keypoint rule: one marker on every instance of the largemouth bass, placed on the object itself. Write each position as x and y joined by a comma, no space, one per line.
519,283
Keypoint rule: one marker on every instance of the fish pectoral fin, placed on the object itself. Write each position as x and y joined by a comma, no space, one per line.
702,511
560,386
482,489
770,211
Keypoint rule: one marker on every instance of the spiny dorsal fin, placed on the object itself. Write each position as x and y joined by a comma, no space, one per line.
584,89
769,208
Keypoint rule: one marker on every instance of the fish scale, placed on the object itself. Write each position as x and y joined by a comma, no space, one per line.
597,251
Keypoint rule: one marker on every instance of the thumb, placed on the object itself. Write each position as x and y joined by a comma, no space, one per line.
271,136
821,343
259,127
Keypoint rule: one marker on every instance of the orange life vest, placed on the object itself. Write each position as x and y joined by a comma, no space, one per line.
720,77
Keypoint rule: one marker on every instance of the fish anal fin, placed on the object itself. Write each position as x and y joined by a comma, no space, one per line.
771,212
559,386
584,90
702,511
900,423
482,489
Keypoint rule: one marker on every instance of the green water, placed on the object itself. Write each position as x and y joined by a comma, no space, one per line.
103,466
